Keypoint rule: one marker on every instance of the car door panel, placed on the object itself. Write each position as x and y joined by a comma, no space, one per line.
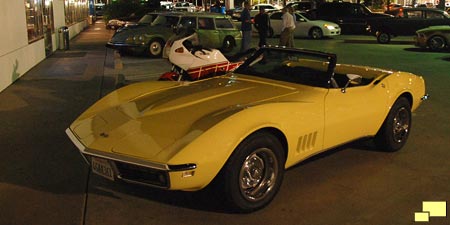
356,113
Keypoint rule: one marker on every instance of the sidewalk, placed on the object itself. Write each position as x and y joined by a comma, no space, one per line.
43,177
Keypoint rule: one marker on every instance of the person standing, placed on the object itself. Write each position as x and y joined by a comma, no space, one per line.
262,25
246,27
291,39
287,28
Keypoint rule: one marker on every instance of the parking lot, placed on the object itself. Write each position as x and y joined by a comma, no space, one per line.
45,181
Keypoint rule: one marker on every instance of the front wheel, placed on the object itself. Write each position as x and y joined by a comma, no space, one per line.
396,127
383,37
316,33
155,48
253,174
436,43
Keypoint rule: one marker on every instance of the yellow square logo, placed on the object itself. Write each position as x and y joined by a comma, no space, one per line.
431,209
421,217
436,209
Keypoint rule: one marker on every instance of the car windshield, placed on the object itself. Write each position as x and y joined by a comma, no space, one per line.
147,19
165,20
364,10
291,65
307,16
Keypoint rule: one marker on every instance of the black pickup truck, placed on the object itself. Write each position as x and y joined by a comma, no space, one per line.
406,22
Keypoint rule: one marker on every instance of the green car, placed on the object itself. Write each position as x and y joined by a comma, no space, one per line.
214,31
436,38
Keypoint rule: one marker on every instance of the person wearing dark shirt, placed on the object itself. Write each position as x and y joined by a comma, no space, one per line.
262,25
246,27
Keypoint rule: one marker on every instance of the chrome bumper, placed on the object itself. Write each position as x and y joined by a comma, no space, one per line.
125,167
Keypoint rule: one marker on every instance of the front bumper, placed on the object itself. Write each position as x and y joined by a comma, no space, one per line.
134,170
420,41
331,32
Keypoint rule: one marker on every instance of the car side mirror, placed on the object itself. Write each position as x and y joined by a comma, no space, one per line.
353,79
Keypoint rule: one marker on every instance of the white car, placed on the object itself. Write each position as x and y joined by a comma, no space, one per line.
305,27
267,7
184,6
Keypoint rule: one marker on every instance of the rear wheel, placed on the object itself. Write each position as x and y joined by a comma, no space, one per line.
383,37
396,127
437,43
316,33
253,174
228,44
155,48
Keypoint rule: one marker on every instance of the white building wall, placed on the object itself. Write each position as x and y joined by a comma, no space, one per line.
17,56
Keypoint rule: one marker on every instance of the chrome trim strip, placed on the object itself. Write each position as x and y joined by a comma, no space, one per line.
116,44
75,140
183,167
77,143
126,159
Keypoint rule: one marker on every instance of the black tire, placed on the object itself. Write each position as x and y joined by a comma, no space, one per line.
228,44
394,132
155,48
437,43
383,37
253,174
270,32
316,33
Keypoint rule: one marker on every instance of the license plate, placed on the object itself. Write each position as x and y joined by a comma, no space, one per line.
103,168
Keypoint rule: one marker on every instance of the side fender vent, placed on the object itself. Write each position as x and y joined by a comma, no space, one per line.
306,142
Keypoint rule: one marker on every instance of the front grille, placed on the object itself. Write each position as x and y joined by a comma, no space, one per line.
143,175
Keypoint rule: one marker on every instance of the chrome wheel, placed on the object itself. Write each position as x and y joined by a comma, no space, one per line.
316,33
253,174
436,43
394,132
258,174
228,44
401,125
383,38
155,48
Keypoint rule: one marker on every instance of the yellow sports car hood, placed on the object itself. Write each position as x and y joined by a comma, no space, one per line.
169,118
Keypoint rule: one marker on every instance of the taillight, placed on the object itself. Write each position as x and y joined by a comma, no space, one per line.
179,50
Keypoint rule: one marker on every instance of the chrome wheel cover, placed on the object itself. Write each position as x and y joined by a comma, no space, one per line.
401,125
316,33
228,44
384,38
155,48
258,174
436,43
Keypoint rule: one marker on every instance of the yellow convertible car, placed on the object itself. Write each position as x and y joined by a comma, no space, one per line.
243,129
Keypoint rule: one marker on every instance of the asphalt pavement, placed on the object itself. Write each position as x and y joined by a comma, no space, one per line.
44,180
